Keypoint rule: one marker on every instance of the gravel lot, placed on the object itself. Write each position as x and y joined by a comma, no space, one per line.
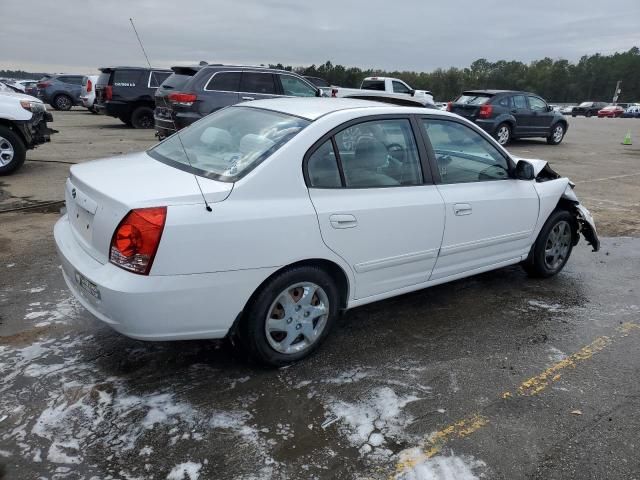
497,376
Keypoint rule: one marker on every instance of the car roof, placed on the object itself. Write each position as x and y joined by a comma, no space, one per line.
111,69
313,108
494,92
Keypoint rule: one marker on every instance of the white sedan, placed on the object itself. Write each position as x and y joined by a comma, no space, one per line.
266,219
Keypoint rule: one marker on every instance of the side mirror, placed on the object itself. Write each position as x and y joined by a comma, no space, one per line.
549,108
318,92
524,170
412,92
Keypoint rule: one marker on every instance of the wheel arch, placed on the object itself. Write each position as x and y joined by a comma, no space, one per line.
11,126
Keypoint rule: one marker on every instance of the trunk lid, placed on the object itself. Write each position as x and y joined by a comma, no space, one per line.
469,103
100,193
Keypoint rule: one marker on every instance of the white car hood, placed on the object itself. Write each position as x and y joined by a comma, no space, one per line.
21,96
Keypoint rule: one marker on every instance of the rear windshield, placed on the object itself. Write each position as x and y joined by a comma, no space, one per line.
176,81
228,144
473,99
373,85
103,79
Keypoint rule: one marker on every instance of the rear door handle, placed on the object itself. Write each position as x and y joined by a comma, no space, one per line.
343,221
248,98
462,209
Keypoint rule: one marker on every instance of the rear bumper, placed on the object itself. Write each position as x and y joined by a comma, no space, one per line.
161,307
87,102
166,126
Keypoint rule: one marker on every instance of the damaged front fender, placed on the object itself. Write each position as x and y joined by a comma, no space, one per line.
587,227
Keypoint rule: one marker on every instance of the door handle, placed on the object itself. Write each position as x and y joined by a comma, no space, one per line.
248,98
343,221
462,209
514,111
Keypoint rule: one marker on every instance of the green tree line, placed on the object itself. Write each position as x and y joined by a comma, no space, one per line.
593,77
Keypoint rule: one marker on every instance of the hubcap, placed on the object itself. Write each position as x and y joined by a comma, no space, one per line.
558,133
63,103
503,135
557,245
6,152
297,318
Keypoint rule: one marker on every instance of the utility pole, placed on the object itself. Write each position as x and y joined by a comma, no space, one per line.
616,94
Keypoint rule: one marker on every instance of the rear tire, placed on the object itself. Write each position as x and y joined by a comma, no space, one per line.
12,151
62,102
503,134
142,117
289,303
557,134
552,249
126,121
588,114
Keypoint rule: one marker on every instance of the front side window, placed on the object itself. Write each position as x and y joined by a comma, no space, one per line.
537,104
228,144
225,82
256,82
379,153
463,155
399,87
322,167
295,87
520,102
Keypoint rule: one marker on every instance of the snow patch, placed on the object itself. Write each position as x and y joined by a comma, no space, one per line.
540,305
185,471
440,467
36,290
556,355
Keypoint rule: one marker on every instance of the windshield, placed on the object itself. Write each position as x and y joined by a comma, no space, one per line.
472,99
585,104
228,144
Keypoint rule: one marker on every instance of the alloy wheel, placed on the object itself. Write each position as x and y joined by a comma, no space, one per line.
503,135
558,133
557,246
6,152
297,318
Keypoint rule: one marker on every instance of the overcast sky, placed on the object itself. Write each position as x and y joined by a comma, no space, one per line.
80,35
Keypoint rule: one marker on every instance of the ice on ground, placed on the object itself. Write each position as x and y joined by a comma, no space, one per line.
374,420
185,471
36,290
540,305
350,376
450,467
556,355
59,312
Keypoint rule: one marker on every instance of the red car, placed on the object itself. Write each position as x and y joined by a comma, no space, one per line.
612,111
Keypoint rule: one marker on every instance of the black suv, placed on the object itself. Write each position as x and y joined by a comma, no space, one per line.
509,114
588,109
195,91
127,93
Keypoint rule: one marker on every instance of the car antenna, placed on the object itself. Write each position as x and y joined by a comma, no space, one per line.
177,134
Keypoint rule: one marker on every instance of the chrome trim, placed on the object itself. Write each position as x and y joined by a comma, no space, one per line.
487,242
395,261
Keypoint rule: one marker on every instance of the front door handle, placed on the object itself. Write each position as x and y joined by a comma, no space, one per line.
462,209
248,98
343,221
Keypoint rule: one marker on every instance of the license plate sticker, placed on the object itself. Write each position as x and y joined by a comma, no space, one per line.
87,285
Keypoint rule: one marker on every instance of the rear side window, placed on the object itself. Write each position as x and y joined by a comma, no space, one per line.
225,82
473,99
322,167
505,102
126,78
520,102
373,85
256,82
73,80
156,78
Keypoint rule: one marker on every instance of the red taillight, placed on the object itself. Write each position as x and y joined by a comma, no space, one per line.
334,92
89,86
43,84
135,241
449,106
108,92
485,111
180,98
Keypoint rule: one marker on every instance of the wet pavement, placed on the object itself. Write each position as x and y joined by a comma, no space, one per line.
498,376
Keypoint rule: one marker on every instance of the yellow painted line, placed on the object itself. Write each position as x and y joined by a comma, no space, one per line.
437,440
434,443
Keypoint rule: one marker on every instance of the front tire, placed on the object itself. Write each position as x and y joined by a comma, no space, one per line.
557,134
588,114
142,117
503,133
62,103
553,247
290,316
12,151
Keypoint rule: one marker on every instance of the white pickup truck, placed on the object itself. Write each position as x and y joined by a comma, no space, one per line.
383,86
